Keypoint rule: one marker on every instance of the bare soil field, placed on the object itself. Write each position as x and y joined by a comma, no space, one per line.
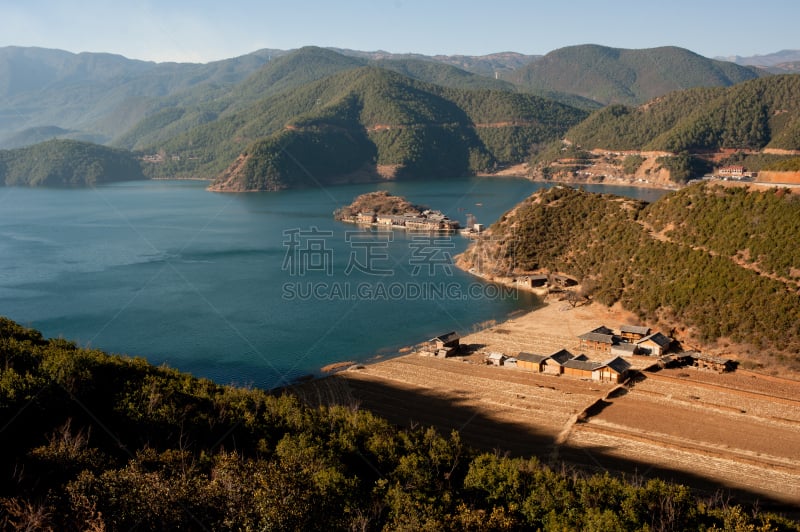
745,438
737,432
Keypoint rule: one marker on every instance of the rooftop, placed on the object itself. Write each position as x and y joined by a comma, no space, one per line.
635,329
657,338
530,357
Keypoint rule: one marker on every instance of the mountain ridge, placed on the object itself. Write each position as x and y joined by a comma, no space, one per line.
630,76
384,119
107,97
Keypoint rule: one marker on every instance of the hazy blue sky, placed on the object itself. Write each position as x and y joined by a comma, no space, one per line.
204,30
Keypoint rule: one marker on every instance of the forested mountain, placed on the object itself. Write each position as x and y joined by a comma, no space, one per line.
134,104
67,163
102,96
756,114
367,118
291,71
613,75
99,442
707,262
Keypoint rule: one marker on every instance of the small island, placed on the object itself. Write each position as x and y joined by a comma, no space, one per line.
382,209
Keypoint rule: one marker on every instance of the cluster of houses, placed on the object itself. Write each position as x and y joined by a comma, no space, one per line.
544,280
563,362
603,343
425,221
631,340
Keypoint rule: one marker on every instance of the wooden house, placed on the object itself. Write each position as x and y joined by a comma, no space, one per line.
552,365
600,339
655,344
633,333
445,345
530,362
496,359
579,367
615,370
710,362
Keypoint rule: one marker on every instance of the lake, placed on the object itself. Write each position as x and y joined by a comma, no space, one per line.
251,289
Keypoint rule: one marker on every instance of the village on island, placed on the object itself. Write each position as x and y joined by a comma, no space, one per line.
606,355
383,210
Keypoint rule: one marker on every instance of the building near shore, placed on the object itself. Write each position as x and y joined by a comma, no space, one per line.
496,359
445,345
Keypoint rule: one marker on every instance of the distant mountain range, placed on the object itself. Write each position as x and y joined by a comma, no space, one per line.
351,115
104,97
766,60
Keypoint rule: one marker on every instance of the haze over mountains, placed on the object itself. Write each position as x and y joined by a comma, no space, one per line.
352,116
100,97
785,61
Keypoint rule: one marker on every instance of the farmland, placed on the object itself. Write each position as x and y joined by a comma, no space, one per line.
721,433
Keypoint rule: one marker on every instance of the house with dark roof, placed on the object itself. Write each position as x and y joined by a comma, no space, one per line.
655,344
614,370
563,281
530,361
579,367
553,363
632,333
535,280
599,339
445,345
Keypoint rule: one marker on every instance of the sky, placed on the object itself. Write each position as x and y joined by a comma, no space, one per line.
204,30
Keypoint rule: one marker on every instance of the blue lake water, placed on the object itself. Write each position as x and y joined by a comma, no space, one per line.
254,289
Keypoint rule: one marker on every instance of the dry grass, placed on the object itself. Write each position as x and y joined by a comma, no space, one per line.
739,431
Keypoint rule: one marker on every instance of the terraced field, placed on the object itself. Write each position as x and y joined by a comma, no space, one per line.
737,432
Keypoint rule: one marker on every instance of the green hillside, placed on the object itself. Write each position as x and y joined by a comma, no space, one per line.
99,442
184,111
613,75
388,119
762,113
709,262
67,163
